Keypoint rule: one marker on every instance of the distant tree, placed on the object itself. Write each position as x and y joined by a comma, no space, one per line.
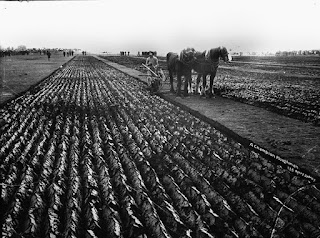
21,48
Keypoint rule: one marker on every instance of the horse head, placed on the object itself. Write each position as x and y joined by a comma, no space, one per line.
223,53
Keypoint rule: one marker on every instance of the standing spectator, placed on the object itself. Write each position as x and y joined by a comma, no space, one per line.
48,54
128,53
72,53
64,54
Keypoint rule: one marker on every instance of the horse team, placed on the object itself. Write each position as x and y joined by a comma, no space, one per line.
204,63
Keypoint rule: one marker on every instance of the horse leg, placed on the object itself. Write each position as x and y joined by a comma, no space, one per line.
186,82
171,81
190,85
190,82
212,76
197,84
178,84
204,85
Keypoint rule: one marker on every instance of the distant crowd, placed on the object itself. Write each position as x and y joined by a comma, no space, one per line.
124,53
68,53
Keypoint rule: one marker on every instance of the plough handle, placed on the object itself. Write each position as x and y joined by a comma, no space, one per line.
150,70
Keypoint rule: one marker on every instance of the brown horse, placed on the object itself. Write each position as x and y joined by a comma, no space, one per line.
206,63
182,66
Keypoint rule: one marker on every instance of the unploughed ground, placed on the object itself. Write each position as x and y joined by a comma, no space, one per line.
18,73
294,140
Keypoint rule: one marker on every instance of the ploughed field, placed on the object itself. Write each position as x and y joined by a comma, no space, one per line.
299,60
88,152
286,85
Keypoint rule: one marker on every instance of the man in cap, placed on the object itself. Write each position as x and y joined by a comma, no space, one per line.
152,62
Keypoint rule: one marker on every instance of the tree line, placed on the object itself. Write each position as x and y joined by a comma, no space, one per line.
23,50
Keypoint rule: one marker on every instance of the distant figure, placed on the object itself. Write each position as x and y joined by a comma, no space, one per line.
138,53
64,54
48,54
72,53
128,53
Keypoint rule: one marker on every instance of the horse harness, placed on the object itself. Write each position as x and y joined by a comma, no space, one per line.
181,58
208,61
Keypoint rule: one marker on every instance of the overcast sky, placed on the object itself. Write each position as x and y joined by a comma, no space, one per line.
162,25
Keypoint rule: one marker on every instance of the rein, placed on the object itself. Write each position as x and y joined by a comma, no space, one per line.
206,62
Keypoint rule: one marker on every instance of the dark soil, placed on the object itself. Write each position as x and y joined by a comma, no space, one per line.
292,139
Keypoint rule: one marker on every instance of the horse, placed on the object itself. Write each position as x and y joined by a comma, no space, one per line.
182,66
207,62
